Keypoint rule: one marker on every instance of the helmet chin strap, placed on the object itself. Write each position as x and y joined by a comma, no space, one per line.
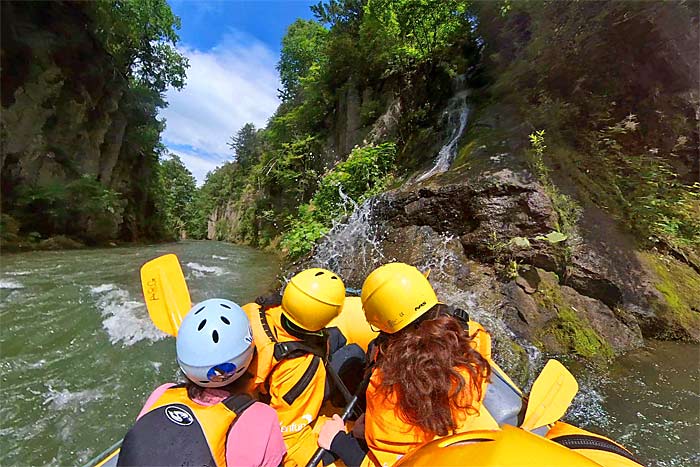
297,331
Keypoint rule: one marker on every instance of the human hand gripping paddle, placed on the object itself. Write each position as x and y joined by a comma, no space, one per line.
165,292
344,416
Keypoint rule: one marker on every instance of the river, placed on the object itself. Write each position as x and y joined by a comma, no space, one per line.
79,353
79,356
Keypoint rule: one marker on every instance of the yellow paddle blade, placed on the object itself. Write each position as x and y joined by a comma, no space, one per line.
551,395
165,291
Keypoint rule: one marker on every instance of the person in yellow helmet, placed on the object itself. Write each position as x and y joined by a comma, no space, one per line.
430,370
295,354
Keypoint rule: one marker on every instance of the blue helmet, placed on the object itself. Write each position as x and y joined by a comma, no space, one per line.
214,343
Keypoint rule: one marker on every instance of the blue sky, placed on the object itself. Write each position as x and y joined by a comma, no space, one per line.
233,47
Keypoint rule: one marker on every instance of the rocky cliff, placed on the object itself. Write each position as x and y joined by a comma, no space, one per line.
554,197
487,229
67,129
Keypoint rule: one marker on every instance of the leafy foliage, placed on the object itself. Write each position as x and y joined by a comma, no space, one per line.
567,209
302,49
246,144
362,175
622,132
84,208
180,191
141,36
409,31
659,206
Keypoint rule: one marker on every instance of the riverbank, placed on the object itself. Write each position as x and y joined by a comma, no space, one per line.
61,242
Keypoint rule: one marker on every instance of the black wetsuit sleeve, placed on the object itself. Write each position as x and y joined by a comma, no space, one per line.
348,448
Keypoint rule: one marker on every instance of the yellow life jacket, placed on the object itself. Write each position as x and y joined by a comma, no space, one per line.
177,430
272,343
352,323
294,376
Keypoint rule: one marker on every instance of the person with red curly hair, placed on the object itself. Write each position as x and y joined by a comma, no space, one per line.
430,371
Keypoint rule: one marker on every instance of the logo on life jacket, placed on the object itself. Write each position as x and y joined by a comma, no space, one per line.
178,416
295,427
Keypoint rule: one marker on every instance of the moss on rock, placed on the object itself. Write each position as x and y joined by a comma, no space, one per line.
570,331
679,286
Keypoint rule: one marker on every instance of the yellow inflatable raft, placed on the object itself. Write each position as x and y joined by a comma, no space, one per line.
514,447
563,445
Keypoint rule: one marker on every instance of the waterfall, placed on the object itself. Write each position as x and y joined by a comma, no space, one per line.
456,113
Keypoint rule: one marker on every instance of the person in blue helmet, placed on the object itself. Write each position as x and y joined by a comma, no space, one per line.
210,419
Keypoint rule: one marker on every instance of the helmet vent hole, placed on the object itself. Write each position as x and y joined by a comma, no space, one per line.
225,306
201,325
334,277
215,336
319,273
198,310
205,382
225,320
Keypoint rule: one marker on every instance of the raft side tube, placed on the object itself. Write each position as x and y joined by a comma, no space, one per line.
107,458
508,447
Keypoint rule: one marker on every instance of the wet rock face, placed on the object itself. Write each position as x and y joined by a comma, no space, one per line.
495,207
573,297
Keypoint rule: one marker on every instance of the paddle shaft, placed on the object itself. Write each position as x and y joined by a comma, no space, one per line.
346,413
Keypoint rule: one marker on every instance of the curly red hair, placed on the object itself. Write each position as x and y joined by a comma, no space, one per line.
419,367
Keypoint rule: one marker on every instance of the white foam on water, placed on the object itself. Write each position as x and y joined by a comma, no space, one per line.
35,365
220,257
102,288
200,270
59,400
126,320
10,284
589,402
18,273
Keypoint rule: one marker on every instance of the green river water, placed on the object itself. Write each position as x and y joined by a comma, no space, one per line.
79,356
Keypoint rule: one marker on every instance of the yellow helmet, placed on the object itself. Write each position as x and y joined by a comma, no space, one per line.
395,295
313,298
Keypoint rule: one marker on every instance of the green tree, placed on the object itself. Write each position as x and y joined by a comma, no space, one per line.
180,191
302,48
247,146
339,15
405,32
141,36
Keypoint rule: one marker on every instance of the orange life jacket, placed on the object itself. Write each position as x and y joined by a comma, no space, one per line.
177,429
389,438
294,376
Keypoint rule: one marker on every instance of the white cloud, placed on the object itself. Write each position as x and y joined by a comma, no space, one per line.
227,86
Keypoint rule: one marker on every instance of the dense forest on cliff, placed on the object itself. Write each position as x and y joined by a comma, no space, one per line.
82,83
540,155
569,203
612,88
